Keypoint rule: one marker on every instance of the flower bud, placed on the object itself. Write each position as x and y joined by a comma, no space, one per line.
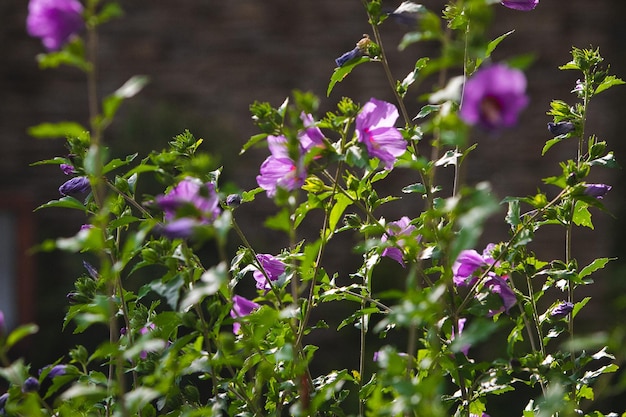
597,190
233,200
30,385
561,128
562,310
76,185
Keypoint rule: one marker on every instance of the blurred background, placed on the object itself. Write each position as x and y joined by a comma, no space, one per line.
209,60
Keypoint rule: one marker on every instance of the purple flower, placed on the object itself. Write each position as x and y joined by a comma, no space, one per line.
188,205
524,5
279,170
311,136
67,169
468,264
493,97
76,185
561,310
93,272
273,268
375,128
30,385
241,307
191,193
398,229
56,370
498,285
561,128
182,228
279,173
54,21
597,190
2,324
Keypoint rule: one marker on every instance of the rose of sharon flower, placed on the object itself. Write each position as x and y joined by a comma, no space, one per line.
375,128
524,5
467,266
189,204
498,285
241,307
397,229
273,268
54,21
279,170
311,136
493,97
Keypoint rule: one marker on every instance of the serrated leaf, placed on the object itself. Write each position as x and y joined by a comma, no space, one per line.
342,72
594,266
608,82
582,216
116,163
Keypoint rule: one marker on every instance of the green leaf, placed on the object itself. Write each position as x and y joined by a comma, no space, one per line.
342,72
607,161
252,141
582,216
415,188
341,203
608,82
491,46
426,110
550,143
594,266
129,89
281,221
116,163
56,130
20,333
65,202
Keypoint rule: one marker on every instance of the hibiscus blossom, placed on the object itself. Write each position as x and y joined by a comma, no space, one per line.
375,128
493,97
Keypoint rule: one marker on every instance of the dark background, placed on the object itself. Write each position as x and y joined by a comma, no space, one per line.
208,60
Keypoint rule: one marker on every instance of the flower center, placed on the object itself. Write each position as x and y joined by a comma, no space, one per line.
491,110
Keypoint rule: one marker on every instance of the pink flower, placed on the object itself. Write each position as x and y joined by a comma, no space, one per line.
241,308
311,136
397,229
188,205
493,97
54,21
279,170
273,268
375,128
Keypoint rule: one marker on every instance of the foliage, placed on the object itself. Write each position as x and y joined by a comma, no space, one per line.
186,344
